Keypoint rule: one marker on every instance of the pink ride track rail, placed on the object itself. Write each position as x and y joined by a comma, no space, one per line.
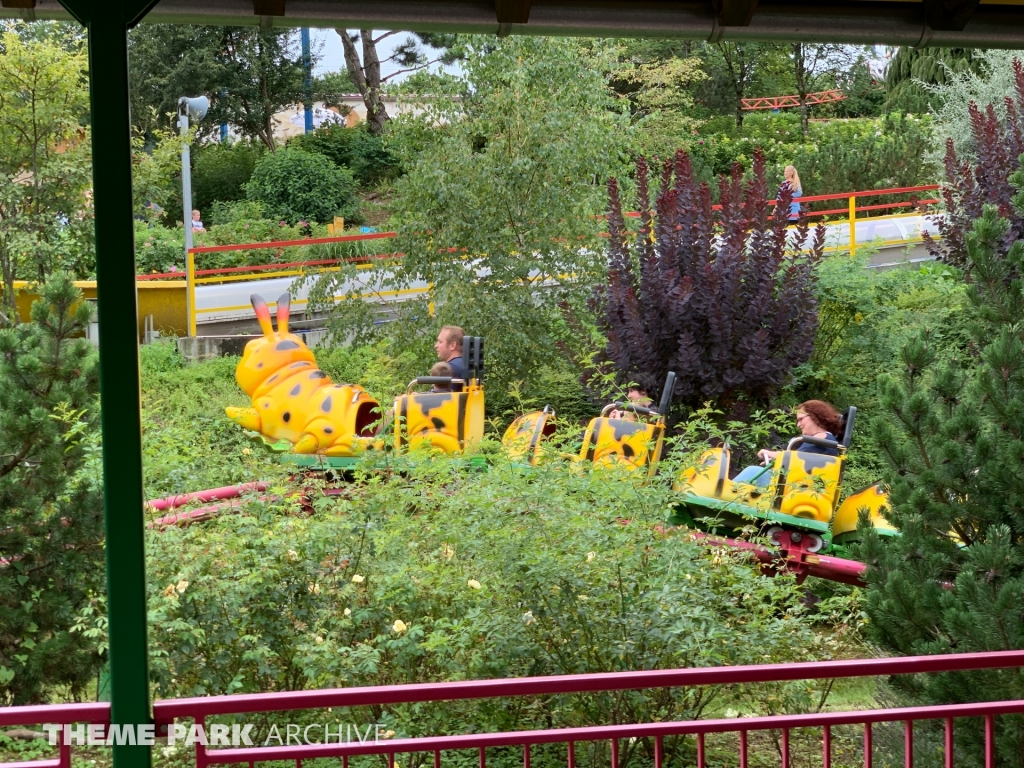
199,709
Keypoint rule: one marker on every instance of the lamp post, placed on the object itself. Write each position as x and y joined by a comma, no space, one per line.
195,109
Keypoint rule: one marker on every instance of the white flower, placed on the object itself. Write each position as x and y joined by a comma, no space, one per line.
528,618
591,556
314,589
357,579
399,626
292,555
348,611
319,639
473,584
182,586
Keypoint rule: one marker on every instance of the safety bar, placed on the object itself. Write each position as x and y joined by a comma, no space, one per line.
831,445
629,407
449,380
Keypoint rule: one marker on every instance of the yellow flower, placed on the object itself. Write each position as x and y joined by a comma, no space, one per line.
389,735
292,555
357,579
591,556
348,611
246,451
448,552
319,639
313,588
399,626
182,586
169,592
474,584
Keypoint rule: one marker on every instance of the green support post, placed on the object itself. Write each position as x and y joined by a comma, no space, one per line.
108,22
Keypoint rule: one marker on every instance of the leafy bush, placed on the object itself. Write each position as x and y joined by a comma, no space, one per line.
983,174
446,575
161,249
357,149
221,171
187,442
732,310
294,185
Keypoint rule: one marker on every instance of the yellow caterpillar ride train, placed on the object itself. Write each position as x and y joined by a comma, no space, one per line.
318,424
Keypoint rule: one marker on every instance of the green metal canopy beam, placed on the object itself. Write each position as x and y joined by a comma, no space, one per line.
107,22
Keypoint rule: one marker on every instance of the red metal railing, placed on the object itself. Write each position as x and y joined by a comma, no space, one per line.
849,209
199,709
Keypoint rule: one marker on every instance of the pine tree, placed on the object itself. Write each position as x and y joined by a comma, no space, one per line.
953,433
726,299
51,518
912,70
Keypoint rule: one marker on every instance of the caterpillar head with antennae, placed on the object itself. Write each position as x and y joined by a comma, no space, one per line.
292,399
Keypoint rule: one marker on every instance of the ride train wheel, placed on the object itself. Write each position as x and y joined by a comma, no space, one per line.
814,541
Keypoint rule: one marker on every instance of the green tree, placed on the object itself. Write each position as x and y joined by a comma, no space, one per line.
293,185
249,74
409,56
663,101
814,63
954,580
499,209
45,216
51,512
912,70
741,70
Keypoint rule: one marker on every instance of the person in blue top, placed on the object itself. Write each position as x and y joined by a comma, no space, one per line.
814,418
794,183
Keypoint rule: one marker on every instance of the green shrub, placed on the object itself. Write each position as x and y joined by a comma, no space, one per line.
221,171
357,149
158,249
294,185
836,156
442,574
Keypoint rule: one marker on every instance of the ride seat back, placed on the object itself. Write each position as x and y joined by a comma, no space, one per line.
709,477
523,439
618,441
449,421
872,499
808,484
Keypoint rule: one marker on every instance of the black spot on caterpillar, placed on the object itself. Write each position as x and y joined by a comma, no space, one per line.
295,390
326,405
328,431
286,344
318,375
286,417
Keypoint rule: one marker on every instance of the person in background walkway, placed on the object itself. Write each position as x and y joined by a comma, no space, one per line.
449,349
794,183
197,223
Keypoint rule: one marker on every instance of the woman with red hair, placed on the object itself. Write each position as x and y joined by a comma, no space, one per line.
814,418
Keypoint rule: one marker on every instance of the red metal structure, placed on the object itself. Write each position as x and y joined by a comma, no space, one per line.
781,102
200,710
